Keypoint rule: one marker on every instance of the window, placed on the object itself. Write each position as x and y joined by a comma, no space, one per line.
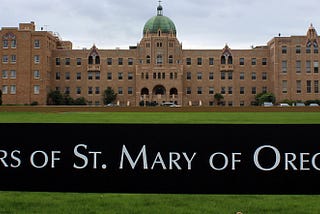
130,76
97,75
188,61
253,75
36,43
241,90
4,89
199,61
223,90
211,90
120,75
264,76
253,90
36,89
298,83
37,59
199,90
284,49
308,66
211,61
13,58
130,61
13,74
5,43
148,59
67,61
309,87
58,76
316,86
188,90
130,90
90,75
109,61
298,49
211,76
120,61
78,75
4,74
159,59
5,59
170,59
284,66
298,66
241,61
223,75
264,89
78,90
230,75
57,61
284,86
229,90
253,61
120,90
78,61
264,61
36,74
109,76
14,43
67,76
90,90
159,44
316,67
13,89
188,75
199,76
241,75
97,90
67,90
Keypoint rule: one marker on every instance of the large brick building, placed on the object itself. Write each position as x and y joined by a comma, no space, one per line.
158,69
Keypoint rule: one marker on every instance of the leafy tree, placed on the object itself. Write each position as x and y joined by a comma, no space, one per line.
265,97
55,98
109,96
218,97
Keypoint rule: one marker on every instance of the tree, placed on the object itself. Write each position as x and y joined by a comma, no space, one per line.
109,96
55,98
218,97
265,97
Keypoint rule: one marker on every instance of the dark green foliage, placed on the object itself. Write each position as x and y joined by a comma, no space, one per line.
0,97
218,97
109,96
57,98
265,97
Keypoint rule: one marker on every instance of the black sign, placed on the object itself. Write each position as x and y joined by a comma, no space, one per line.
160,158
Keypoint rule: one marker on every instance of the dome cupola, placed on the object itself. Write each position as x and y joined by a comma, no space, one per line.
159,23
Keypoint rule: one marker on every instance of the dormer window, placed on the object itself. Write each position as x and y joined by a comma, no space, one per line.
94,57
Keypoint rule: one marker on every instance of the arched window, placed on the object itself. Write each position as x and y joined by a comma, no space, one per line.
223,60
97,60
230,60
90,60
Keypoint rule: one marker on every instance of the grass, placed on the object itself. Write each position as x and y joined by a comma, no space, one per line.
163,117
35,202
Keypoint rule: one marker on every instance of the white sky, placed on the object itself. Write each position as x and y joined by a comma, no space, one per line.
200,24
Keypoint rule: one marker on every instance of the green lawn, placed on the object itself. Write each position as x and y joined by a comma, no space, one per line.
18,202
163,117
33,202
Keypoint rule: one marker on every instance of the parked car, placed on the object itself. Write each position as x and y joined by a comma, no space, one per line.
300,104
313,104
284,105
267,104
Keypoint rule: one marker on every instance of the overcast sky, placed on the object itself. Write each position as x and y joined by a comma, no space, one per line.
200,24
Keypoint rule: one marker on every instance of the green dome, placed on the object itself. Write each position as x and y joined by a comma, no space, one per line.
159,22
